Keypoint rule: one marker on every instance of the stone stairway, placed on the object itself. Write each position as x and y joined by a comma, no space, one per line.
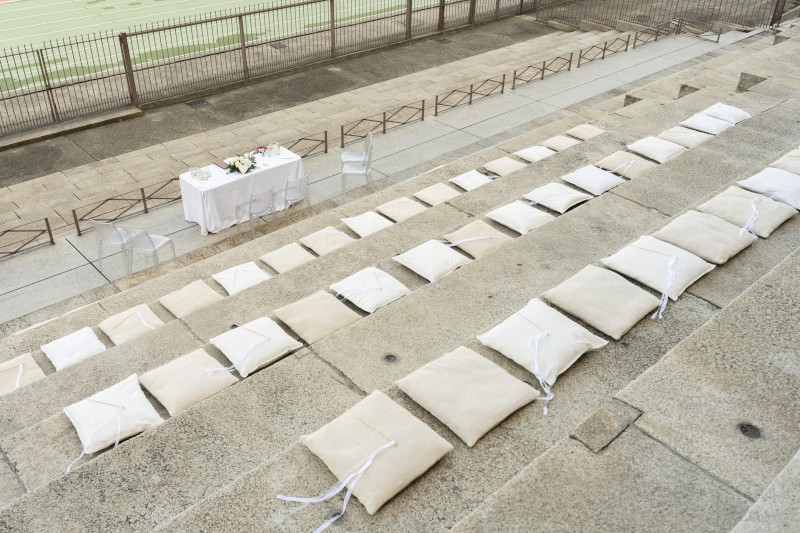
220,463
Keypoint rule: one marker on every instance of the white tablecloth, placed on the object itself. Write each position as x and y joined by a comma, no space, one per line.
213,203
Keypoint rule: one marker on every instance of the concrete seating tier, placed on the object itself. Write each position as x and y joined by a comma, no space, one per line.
237,449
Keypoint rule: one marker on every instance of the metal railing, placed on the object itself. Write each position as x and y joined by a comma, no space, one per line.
382,122
540,72
700,29
608,48
24,237
466,95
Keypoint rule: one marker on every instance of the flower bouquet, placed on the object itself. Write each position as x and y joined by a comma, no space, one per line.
242,164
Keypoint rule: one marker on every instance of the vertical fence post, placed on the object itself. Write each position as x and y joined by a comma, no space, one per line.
441,15
409,12
470,93
423,111
471,18
333,34
384,122
497,9
570,61
605,47
521,6
544,67
436,106
77,224
243,40
503,86
49,231
514,81
342,134
627,42
326,141
46,80
144,200
128,65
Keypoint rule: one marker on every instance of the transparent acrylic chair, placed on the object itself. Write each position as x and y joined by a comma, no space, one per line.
296,191
107,234
358,157
359,169
142,242
260,204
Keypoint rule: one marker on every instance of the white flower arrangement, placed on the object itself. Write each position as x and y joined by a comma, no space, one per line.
242,164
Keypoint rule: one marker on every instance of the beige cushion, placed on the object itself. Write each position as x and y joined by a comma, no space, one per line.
189,299
557,197
585,131
686,137
535,153
317,316
401,209
565,343
593,179
520,217
255,345
477,230
241,277
467,392
287,257
375,421
656,149
780,185
706,236
95,420
370,289
10,377
504,166
367,223
559,143
726,112
707,124
647,261
626,164
181,383
130,324
73,348
735,205
790,162
326,240
471,180
432,260
604,300
436,194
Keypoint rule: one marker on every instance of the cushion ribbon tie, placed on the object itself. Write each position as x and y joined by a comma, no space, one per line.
116,414
665,295
143,320
451,244
242,356
534,345
19,377
627,166
748,227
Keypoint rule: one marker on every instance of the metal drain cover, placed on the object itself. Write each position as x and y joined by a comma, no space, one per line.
198,104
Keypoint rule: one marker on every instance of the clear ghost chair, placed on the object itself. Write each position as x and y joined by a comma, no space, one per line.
359,169
107,234
140,241
260,204
296,191
358,157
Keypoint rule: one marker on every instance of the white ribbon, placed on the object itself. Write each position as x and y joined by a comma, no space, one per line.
748,226
118,414
534,346
19,377
451,244
143,321
627,166
242,356
665,295
492,176
354,475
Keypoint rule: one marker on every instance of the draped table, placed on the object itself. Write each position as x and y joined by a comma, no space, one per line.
213,203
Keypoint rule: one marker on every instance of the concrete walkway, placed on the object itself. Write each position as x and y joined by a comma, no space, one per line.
67,275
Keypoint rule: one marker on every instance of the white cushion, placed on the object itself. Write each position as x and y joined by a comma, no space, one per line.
520,217
287,257
585,132
735,205
367,223
189,299
780,185
726,112
479,231
401,209
432,260
241,277
436,194
471,180
565,343
347,441
790,162
255,345
96,418
467,392
557,197
686,137
647,261
370,289
326,240
706,236
593,179
656,149
535,153
559,143
10,377
604,300
73,348
626,164
504,166
181,383
317,316
706,124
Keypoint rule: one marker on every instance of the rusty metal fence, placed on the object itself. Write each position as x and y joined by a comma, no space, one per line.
24,237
